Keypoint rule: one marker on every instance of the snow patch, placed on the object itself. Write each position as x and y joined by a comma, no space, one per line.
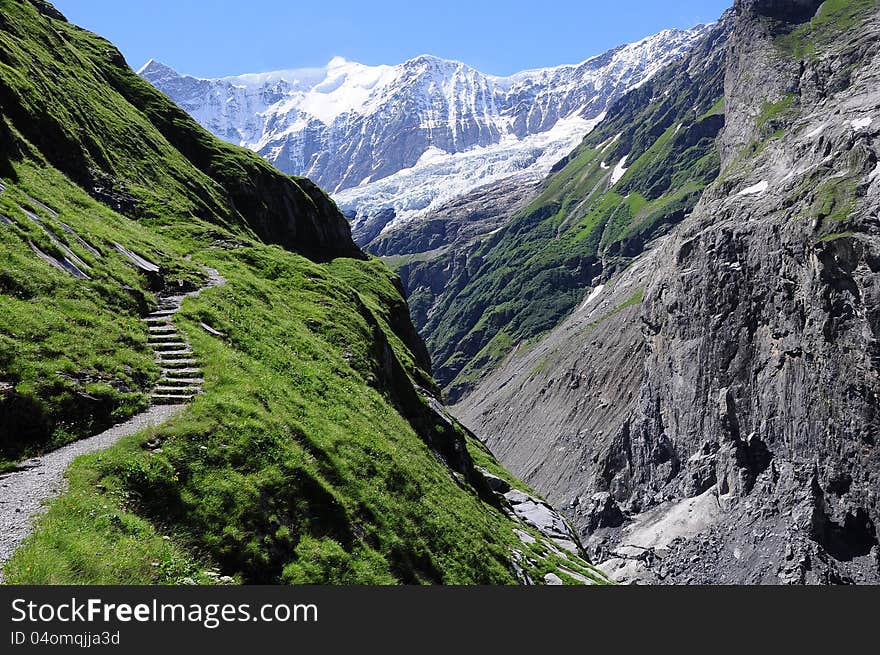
595,294
619,171
755,189
300,119
861,123
438,176
604,166
815,133
610,142
431,155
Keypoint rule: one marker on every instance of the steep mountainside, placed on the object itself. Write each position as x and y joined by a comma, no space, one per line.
394,141
710,414
317,450
640,172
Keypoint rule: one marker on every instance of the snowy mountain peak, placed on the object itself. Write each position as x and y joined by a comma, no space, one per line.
337,62
394,141
156,70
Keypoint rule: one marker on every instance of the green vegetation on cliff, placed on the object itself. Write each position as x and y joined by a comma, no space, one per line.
639,173
834,17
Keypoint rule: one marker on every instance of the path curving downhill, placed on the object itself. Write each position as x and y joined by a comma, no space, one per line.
25,492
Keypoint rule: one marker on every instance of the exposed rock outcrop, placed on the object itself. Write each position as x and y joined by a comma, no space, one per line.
748,375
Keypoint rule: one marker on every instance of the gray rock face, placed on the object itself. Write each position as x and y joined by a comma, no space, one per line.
461,221
750,372
445,242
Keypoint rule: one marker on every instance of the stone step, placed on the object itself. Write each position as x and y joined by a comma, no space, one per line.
158,320
181,382
163,312
171,337
159,399
161,328
178,374
170,346
182,372
166,340
163,390
174,354
179,363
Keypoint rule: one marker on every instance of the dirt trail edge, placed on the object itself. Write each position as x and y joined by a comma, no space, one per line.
24,493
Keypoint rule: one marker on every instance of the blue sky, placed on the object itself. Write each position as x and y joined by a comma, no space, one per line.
211,38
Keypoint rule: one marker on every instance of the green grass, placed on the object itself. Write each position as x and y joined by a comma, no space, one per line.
828,238
396,262
310,457
770,110
834,200
75,351
290,468
834,18
715,110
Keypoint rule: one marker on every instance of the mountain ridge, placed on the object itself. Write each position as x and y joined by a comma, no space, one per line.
394,141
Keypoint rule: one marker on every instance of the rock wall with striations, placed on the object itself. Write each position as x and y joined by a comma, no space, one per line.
748,451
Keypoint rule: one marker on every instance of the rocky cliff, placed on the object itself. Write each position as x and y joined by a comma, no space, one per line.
711,415
639,173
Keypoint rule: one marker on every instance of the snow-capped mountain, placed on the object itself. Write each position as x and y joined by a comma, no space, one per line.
392,142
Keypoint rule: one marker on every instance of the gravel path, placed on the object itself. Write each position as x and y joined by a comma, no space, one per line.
24,493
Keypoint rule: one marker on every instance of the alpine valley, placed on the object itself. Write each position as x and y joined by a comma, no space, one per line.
620,320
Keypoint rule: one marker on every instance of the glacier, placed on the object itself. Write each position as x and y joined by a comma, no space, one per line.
394,142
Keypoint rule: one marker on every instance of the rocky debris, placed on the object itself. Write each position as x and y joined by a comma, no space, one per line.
495,483
69,261
112,192
543,518
545,535
600,511
143,264
64,265
747,380
214,333
786,531
552,579
700,470
517,561
82,242
537,513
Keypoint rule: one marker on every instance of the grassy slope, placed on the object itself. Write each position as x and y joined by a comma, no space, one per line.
309,458
534,272
834,17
